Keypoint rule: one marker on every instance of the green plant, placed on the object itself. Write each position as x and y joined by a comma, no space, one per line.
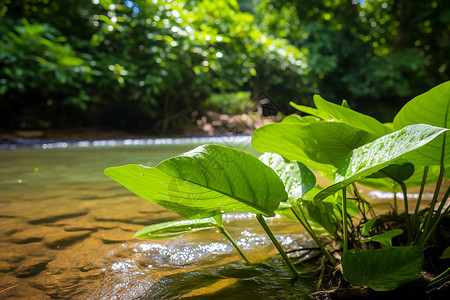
349,147
344,145
229,103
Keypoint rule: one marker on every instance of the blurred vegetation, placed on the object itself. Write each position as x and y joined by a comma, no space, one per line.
378,54
229,103
146,65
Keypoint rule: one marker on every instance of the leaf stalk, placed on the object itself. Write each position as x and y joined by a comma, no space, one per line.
277,244
344,219
233,242
302,219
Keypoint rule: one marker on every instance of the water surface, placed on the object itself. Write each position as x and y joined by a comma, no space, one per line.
66,231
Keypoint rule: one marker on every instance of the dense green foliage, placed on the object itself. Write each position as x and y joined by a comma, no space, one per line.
373,52
212,180
147,64
129,64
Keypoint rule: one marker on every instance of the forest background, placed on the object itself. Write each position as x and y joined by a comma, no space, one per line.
146,66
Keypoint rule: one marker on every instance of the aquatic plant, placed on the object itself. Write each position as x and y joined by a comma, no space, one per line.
346,146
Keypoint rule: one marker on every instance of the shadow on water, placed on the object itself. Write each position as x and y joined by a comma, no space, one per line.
267,280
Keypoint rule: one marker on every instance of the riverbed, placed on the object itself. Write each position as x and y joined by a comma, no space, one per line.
66,230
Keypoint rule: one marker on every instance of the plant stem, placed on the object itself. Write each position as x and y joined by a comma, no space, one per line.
301,218
422,187
444,200
419,200
344,219
425,234
277,245
427,222
439,217
395,201
228,236
407,220
361,202
322,273
364,201
440,278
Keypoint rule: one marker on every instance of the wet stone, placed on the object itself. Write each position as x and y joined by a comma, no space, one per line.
87,268
115,236
52,217
58,286
44,211
12,225
126,218
81,227
81,223
11,254
13,288
84,256
6,266
28,236
32,266
130,214
63,239
91,274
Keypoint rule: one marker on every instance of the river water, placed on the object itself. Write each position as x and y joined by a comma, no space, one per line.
66,232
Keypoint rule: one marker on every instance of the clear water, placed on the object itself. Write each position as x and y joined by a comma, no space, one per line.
66,232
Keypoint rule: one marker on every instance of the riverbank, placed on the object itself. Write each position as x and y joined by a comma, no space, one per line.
208,124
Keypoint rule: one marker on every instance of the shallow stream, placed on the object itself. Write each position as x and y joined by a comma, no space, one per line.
66,232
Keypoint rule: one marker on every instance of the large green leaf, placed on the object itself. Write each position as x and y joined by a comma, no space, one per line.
207,181
320,145
297,178
378,154
433,108
331,112
175,228
382,269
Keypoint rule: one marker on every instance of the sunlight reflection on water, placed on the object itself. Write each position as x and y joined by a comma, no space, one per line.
244,139
390,195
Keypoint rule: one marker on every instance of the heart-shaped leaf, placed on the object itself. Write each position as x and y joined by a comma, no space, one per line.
329,111
368,226
297,178
319,145
384,238
175,228
433,108
207,181
445,254
378,154
382,269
